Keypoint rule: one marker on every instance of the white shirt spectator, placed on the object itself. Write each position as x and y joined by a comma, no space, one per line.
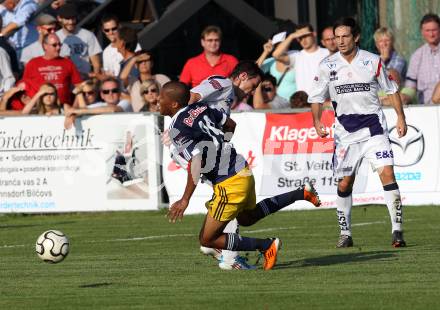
79,47
306,67
111,60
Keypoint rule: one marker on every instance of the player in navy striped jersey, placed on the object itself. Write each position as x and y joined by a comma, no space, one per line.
352,77
200,143
220,93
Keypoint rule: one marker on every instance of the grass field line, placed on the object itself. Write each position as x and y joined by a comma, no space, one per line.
193,235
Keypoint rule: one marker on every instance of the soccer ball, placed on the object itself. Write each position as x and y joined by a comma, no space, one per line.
52,246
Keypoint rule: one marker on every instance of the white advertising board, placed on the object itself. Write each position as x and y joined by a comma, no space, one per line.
45,168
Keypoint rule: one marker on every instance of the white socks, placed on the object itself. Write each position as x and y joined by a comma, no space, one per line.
394,205
344,201
232,227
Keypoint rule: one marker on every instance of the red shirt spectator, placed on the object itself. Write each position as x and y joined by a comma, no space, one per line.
210,62
52,68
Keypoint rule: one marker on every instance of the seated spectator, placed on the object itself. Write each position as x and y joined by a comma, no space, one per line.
210,62
299,100
144,63
384,39
149,91
111,95
44,102
86,94
80,44
18,23
52,68
14,100
423,71
265,96
45,24
4,43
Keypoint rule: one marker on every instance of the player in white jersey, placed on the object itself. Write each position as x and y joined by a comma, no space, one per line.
352,78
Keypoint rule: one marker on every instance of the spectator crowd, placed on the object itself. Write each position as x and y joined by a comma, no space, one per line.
49,65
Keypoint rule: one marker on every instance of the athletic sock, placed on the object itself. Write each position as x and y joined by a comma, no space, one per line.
394,205
276,203
232,227
235,242
344,202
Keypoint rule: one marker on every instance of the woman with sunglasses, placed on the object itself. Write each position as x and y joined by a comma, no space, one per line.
143,61
86,94
149,91
44,102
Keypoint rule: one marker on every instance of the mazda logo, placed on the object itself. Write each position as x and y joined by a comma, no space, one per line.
409,149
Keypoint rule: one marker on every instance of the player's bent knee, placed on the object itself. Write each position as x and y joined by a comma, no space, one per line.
206,242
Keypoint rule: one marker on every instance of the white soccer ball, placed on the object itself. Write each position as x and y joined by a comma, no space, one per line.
52,246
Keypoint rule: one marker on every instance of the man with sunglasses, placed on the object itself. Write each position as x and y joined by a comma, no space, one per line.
45,24
111,57
110,92
266,97
305,62
52,68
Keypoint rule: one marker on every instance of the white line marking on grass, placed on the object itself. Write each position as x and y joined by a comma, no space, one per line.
151,237
12,246
368,223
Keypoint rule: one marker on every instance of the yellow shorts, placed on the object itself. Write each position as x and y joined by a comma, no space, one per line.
232,196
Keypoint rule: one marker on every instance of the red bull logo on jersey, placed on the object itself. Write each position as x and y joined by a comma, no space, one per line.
295,133
193,113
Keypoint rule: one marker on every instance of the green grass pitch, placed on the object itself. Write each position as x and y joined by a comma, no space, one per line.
137,260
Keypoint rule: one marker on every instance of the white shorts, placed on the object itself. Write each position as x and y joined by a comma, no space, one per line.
348,158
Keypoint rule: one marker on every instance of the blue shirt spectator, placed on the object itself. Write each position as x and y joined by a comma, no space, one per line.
17,22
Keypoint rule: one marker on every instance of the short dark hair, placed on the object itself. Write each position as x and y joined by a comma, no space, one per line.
270,78
348,22
247,66
111,79
211,29
129,36
305,25
177,91
299,100
430,17
109,17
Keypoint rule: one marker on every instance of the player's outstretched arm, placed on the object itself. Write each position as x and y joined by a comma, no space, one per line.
396,102
178,208
316,113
